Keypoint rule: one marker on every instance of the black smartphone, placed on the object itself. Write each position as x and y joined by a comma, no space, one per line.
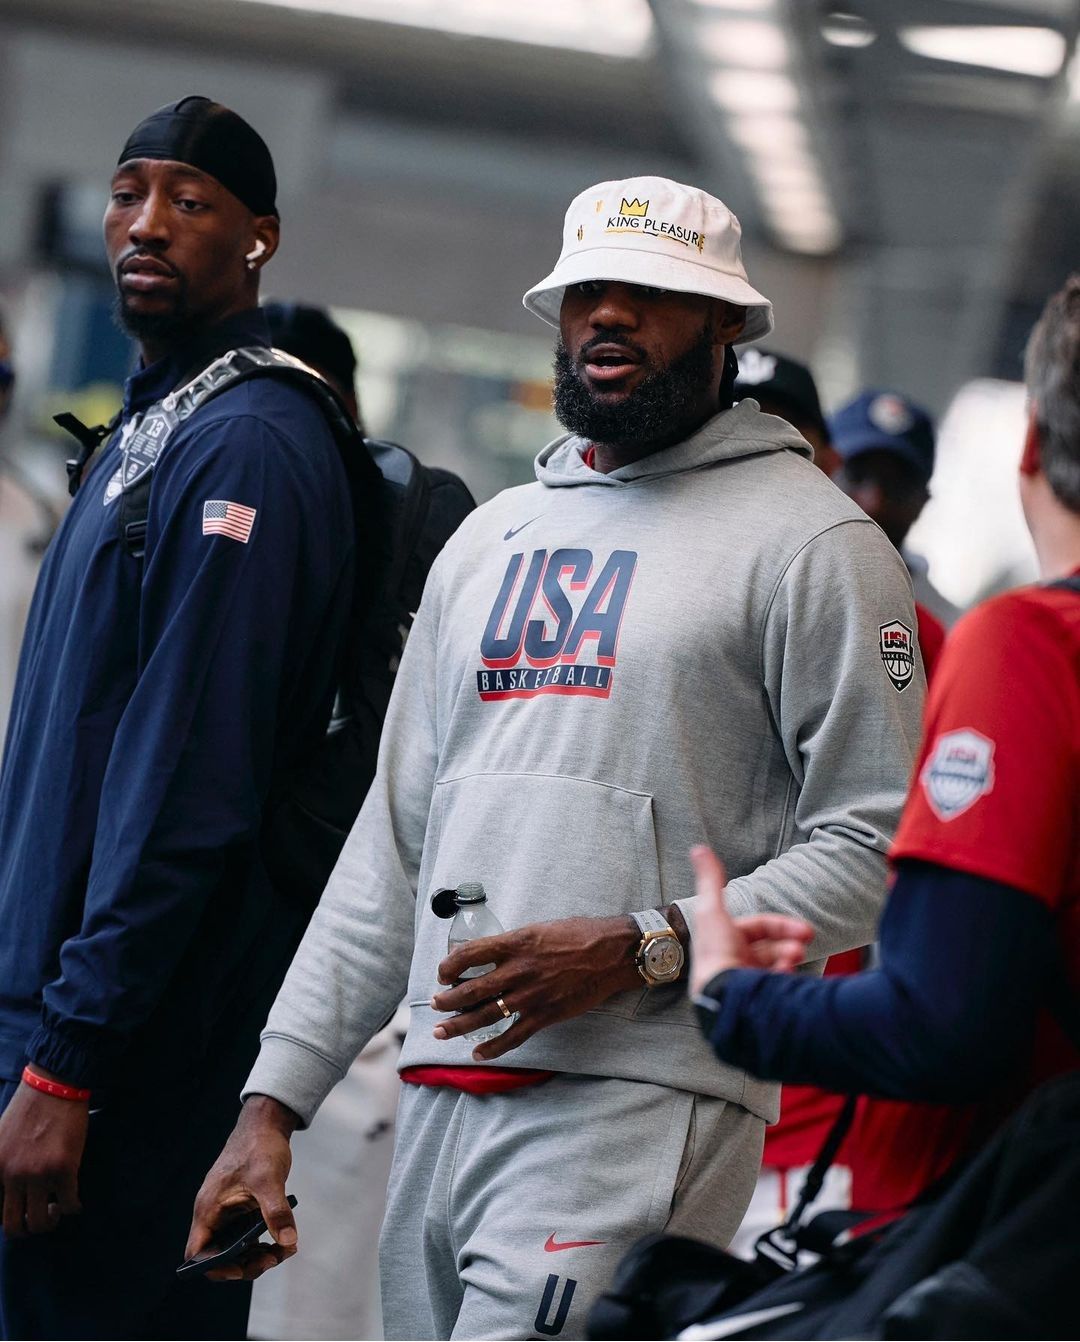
232,1240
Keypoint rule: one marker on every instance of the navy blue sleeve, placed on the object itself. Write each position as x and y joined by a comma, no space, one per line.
193,755
964,967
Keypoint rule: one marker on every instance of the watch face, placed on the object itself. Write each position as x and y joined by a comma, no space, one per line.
664,957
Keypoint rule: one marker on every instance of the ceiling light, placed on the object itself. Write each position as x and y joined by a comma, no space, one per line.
847,30
790,171
810,236
739,91
752,43
776,136
738,6
606,27
808,196
809,242
1020,51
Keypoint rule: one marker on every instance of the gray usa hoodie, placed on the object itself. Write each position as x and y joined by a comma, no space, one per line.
711,645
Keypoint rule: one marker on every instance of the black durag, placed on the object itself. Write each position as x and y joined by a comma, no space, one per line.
217,141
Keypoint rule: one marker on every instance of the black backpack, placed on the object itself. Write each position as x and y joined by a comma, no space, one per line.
307,823
405,513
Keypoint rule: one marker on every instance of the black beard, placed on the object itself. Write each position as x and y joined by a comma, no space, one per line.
659,409
168,328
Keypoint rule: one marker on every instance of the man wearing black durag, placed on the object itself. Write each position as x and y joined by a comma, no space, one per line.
168,682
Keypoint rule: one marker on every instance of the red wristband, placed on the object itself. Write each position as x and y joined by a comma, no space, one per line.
56,1088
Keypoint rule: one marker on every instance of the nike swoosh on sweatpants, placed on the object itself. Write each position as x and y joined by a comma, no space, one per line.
553,1247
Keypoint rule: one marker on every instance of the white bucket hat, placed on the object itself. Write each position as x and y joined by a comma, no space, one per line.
648,230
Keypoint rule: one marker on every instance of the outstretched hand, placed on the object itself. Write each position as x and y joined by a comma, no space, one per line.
762,941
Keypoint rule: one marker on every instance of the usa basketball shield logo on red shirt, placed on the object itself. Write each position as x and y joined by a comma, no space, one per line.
958,771
898,652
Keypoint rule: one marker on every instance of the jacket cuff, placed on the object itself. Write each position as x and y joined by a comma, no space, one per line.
292,1073
79,1054
688,908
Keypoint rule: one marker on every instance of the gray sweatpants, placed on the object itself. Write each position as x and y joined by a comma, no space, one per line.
507,1214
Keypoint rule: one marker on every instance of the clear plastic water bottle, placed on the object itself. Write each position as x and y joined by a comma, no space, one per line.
473,920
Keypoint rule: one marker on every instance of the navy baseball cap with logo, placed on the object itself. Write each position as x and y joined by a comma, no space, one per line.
774,379
885,421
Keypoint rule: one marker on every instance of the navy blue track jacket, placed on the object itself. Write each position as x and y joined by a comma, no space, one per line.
157,702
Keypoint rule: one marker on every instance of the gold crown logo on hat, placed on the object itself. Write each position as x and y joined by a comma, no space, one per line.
638,208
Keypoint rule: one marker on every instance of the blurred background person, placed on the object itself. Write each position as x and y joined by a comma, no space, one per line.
885,446
311,334
886,474
27,522
783,386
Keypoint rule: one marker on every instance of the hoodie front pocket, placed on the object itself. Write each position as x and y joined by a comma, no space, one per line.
545,847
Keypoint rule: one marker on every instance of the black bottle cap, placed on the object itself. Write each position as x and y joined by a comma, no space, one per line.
444,903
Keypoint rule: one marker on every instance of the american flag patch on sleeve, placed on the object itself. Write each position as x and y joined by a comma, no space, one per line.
222,518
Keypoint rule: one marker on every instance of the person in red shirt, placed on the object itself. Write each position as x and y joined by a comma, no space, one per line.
981,933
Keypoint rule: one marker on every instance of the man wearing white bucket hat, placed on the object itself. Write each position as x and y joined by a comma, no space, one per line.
681,632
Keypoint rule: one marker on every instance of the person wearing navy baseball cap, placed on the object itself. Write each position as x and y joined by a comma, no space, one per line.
886,444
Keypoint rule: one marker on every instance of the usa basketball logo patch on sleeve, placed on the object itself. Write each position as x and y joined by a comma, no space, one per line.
958,771
897,645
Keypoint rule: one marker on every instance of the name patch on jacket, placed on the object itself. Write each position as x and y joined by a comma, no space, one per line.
554,627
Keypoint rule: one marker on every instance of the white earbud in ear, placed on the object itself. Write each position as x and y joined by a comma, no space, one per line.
254,255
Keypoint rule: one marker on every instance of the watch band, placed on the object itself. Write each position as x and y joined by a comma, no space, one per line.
652,920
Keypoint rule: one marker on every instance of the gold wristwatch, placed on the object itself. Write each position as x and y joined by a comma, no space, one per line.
660,956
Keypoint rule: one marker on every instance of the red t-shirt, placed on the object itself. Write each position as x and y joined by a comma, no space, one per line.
996,793
806,1113
476,1080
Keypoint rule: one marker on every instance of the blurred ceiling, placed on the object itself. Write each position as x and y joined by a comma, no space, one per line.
905,170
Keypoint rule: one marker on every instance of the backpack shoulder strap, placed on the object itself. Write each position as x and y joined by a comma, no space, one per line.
157,424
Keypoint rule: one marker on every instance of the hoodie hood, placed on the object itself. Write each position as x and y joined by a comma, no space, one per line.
743,431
